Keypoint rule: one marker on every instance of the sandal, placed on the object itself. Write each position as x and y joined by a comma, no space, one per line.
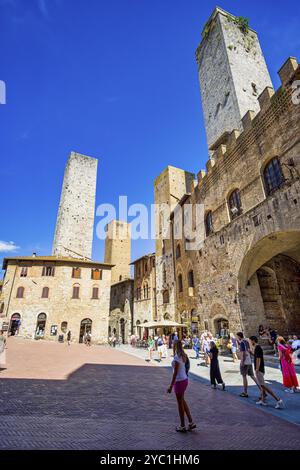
192,426
181,429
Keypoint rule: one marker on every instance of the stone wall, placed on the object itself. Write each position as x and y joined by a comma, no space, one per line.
232,73
118,250
59,306
225,266
75,219
121,308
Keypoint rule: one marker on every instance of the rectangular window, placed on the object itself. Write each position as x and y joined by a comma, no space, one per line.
76,273
96,274
48,271
75,292
95,293
24,272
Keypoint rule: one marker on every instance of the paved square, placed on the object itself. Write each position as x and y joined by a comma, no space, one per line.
59,397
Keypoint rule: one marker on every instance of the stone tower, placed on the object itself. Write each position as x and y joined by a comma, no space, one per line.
169,187
75,220
232,74
118,250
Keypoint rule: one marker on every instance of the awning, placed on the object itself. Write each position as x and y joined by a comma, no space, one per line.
162,324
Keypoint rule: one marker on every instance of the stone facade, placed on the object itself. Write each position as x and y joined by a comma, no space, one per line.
121,309
169,188
118,249
145,306
232,73
61,291
247,271
75,219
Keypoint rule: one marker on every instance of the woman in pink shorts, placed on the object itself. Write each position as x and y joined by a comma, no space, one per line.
180,383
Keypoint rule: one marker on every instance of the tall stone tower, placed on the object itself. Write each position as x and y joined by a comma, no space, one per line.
169,187
232,74
75,220
118,250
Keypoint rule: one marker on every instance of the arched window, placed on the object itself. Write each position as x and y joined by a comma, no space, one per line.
166,297
45,293
234,203
273,176
146,291
178,251
64,326
95,293
180,283
20,292
209,224
76,290
191,278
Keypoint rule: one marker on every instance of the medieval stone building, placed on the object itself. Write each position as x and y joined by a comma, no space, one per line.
47,296
247,270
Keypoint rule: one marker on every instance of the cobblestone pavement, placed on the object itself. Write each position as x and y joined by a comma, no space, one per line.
231,375
57,397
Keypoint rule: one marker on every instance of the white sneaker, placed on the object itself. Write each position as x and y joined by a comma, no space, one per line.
289,390
261,403
279,405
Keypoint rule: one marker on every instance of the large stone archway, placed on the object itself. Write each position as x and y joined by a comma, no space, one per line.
269,284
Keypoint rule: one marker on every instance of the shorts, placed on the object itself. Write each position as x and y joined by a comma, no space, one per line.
233,350
260,378
161,349
247,370
181,386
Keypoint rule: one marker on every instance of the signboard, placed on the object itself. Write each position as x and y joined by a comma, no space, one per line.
5,326
53,330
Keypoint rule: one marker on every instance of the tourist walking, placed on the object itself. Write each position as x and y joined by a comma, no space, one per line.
151,347
206,350
196,345
290,380
246,368
180,382
232,345
88,339
259,367
69,335
160,347
165,345
215,374
2,351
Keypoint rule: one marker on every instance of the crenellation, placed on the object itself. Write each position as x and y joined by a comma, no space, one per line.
247,120
288,70
264,98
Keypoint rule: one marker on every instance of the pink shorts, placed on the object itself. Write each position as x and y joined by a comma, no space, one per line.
181,386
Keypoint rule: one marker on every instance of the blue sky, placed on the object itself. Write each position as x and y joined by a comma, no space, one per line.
116,80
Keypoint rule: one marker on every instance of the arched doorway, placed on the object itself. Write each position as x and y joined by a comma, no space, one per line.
195,322
269,284
221,326
85,327
15,323
40,326
122,330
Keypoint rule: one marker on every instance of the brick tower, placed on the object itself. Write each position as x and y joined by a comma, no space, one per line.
232,74
75,220
118,250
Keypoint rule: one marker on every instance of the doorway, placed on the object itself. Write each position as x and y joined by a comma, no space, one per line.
85,327
40,326
15,323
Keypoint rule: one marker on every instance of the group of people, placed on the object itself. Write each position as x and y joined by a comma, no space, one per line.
249,349
160,343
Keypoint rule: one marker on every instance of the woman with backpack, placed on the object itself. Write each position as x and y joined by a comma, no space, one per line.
181,365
